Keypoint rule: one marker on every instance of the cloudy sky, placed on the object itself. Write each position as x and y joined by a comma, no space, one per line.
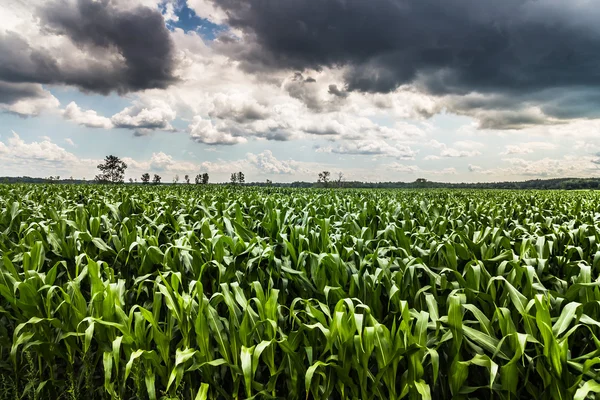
457,90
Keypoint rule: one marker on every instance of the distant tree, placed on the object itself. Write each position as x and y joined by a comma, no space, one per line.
269,182
130,180
175,179
198,179
135,180
205,178
240,177
420,183
187,179
112,170
146,178
71,178
324,177
339,181
156,179
234,178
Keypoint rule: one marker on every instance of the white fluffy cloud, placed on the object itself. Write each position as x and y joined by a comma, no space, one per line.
44,151
40,158
141,117
26,99
267,163
89,118
203,131
238,107
145,117
372,148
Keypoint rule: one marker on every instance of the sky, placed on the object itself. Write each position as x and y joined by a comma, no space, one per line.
380,90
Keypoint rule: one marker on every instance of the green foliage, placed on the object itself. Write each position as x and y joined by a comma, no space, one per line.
111,171
206,292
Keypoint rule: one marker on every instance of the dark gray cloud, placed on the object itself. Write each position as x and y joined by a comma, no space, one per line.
515,110
511,120
144,125
334,90
10,93
512,48
139,36
21,63
243,113
304,90
452,46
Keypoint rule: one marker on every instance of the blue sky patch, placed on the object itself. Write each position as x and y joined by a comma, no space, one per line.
190,21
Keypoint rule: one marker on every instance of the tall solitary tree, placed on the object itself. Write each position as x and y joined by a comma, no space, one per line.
187,179
324,177
146,178
112,170
205,178
156,179
240,177
198,179
234,178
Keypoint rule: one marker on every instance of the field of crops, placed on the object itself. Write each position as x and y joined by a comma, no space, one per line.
234,293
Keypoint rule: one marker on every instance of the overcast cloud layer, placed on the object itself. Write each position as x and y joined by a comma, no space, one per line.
461,90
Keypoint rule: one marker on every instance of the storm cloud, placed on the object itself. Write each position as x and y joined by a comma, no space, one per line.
121,50
512,49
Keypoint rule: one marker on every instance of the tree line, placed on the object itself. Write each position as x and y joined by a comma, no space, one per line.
112,170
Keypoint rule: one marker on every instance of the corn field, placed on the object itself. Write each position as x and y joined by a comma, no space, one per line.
181,292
